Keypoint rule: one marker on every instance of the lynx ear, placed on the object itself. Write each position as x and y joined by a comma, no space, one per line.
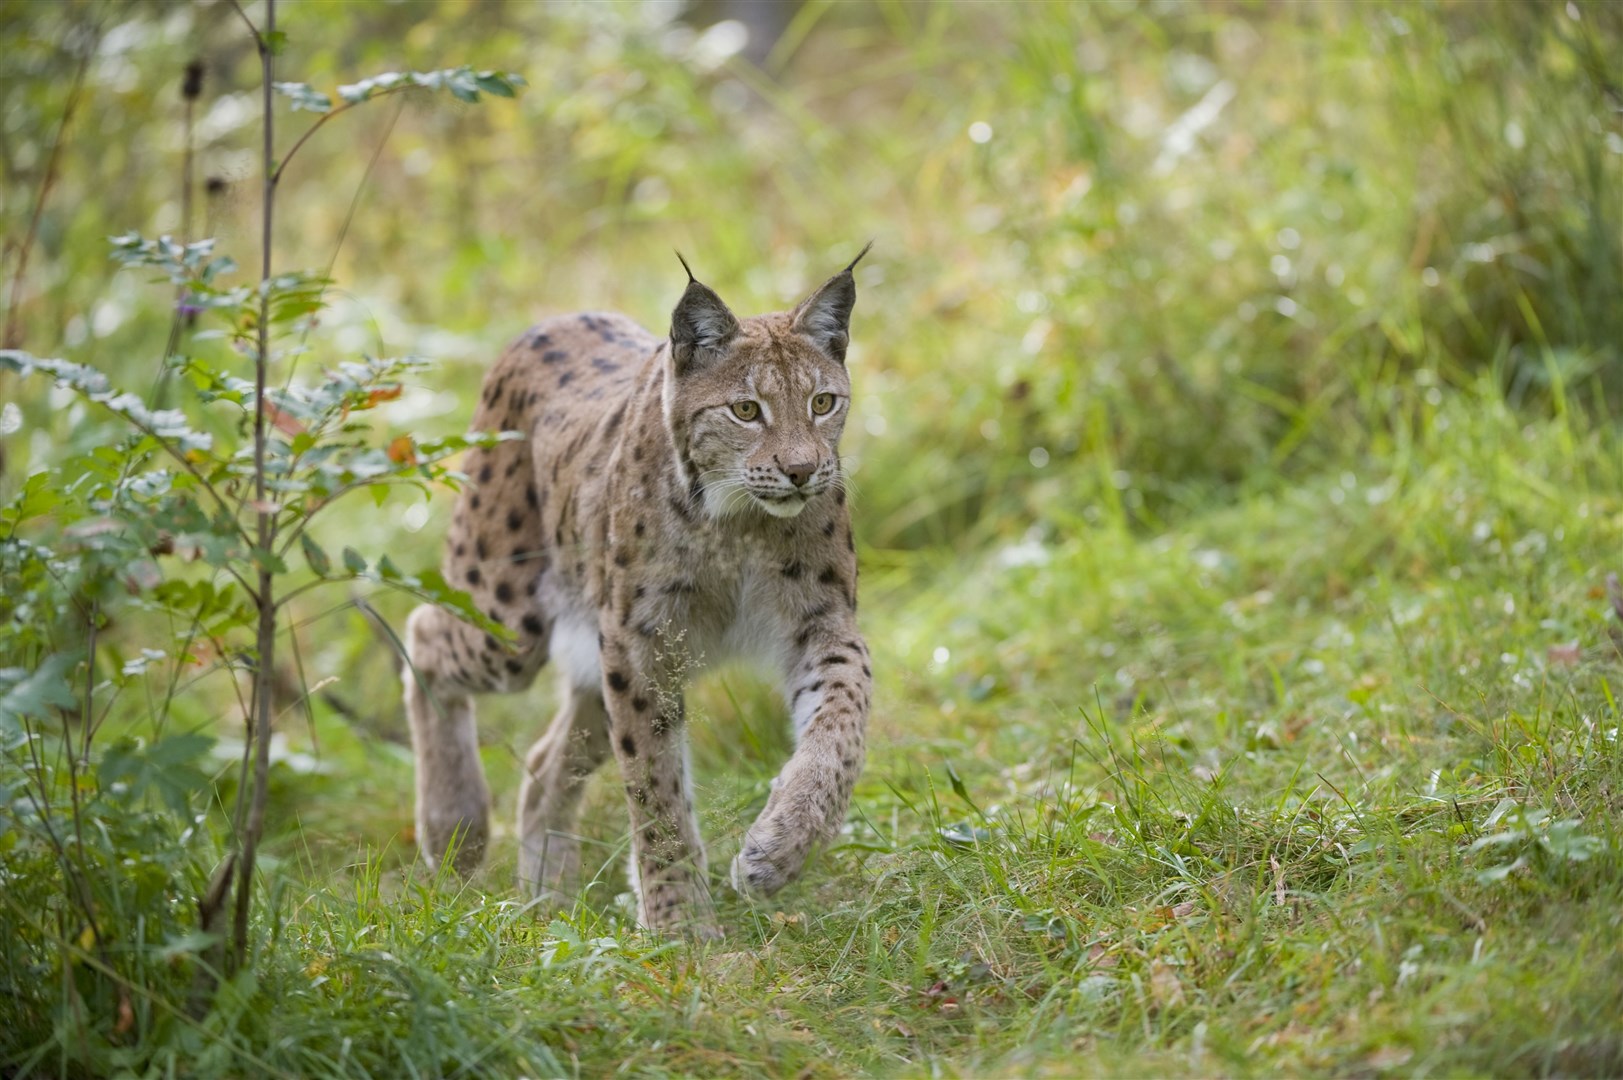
701,325
825,315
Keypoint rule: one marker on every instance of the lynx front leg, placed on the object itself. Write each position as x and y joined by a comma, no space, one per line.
829,689
649,737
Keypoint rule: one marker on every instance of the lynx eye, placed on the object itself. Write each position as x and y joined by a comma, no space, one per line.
746,410
822,403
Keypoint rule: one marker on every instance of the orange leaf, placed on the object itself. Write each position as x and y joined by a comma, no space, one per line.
402,452
286,424
126,1014
382,393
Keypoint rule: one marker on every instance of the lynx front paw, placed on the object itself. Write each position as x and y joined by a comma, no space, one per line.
461,835
770,858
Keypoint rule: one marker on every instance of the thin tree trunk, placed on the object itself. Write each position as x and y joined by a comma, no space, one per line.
265,663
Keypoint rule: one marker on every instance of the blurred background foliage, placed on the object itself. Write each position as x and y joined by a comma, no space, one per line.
1129,256
1155,288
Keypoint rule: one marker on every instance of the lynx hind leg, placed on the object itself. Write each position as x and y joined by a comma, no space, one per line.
555,775
448,662
452,798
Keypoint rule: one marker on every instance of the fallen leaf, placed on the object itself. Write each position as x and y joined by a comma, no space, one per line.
126,1013
1389,1057
1565,655
1165,986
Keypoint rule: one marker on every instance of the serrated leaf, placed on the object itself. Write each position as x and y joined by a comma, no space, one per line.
492,83
463,82
303,96
34,693
168,424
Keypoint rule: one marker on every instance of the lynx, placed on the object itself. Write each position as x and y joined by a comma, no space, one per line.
674,502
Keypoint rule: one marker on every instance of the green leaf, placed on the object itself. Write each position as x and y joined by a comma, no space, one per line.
268,560
463,82
1499,873
353,561
494,83
167,768
139,665
431,586
317,558
34,693
167,424
960,790
304,97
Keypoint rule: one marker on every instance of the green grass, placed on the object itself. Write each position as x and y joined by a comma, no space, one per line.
1247,679
1239,797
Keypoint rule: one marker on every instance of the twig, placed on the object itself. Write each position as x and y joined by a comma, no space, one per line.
265,660
349,216
249,23
191,89
326,116
13,333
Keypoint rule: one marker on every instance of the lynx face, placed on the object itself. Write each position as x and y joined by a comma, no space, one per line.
756,408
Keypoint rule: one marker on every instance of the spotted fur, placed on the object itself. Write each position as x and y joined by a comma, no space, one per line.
646,527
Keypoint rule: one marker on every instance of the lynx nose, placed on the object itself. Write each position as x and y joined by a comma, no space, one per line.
798,473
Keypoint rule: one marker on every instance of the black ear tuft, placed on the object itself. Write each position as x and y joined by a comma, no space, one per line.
853,264
701,325
825,315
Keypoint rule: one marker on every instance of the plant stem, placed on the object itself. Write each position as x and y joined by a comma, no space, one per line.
326,116
265,600
12,338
